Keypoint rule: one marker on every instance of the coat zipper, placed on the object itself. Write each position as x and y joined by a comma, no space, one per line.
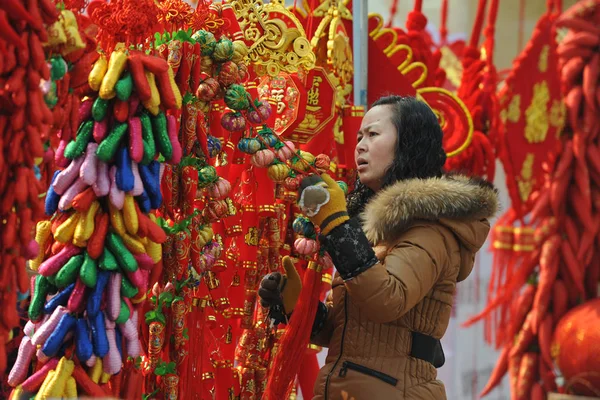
367,371
341,346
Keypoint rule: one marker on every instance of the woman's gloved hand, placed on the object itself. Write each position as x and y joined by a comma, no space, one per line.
323,201
280,292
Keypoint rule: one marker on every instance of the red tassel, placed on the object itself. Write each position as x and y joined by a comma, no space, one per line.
444,23
292,346
308,374
223,380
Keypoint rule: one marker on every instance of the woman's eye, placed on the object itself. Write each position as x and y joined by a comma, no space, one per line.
373,133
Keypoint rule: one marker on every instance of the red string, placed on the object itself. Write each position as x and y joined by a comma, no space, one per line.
393,12
444,24
558,5
492,15
490,30
310,18
418,5
554,6
478,25
521,34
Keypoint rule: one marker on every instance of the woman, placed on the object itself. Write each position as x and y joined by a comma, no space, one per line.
396,274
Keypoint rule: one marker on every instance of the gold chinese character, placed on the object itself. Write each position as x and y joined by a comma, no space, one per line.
277,94
231,210
313,93
525,183
513,111
557,115
280,107
536,114
228,335
313,96
543,61
251,238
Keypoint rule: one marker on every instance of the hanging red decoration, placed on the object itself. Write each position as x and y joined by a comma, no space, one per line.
533,114
478,91
396,60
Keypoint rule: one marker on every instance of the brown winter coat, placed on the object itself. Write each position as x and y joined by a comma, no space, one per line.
426,234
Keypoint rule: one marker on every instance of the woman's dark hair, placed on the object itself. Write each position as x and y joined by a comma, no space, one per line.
419,151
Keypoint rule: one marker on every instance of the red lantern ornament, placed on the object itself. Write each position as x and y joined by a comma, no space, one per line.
215,210
228,73
242,72
322,162
292,183
208,89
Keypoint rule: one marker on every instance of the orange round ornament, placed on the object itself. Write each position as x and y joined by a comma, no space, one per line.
576,348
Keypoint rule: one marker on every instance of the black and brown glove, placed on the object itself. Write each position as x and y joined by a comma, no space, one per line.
280,292
324,203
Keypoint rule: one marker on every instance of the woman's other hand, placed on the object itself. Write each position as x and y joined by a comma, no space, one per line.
277,290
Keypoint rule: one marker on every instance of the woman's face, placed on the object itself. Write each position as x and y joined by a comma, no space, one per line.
376,146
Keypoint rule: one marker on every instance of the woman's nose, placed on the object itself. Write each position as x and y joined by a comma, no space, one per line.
361,146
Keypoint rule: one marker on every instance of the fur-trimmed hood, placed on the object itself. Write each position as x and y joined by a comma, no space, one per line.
455,201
